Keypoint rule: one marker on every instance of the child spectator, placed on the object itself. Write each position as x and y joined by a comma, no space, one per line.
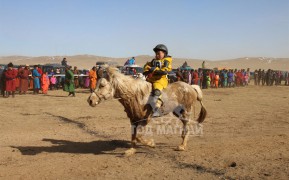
52,82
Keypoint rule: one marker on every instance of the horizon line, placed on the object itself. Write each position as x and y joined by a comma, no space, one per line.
185,58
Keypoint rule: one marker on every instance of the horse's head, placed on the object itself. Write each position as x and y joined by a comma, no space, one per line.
104,91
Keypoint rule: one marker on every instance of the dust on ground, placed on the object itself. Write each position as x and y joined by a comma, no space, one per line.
245,136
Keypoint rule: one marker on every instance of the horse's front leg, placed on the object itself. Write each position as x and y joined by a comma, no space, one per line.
144,129
147,142
132,150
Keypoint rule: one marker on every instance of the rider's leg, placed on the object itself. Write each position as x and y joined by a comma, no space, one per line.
156,102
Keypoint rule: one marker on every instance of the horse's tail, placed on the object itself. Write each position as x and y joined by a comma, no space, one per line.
203,113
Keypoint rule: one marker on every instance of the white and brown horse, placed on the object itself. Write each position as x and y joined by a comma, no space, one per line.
134,94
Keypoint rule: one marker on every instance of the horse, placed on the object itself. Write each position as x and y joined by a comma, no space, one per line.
178,98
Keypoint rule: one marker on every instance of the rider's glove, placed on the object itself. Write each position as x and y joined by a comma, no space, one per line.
152,69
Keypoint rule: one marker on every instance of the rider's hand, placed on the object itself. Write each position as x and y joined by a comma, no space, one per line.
152,69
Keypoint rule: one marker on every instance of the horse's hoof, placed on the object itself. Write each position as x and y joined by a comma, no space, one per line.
181,148
130,152
151,143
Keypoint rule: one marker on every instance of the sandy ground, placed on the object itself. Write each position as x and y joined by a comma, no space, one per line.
245,136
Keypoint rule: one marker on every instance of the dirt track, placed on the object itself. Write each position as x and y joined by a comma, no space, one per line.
59,137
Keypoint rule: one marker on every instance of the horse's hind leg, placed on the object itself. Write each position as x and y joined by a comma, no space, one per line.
185,135
185,132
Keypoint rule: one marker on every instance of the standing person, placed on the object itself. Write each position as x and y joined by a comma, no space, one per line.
93,79
286,78
179,75
45,82
230,78
233,78
17,79
246,77
239,78
212,76
87,80
40,72
277,78
208,80
200,79
36,80
263,77
2,81
10,76
225,78
157,71
76,73
268,77
69,81
249,75
189,77
204,65
217,78
272,77
24,79
192,77
242,77
53,82
195,77
64,62
259,77
255,77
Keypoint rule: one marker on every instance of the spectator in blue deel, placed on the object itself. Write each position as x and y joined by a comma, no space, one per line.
131,61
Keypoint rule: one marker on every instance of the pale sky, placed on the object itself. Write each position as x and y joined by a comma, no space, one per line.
200,29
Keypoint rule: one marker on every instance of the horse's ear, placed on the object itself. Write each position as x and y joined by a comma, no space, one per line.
105,66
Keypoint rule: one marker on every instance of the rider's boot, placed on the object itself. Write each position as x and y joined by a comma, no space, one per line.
156,103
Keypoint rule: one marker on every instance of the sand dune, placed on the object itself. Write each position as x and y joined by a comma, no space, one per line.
87,61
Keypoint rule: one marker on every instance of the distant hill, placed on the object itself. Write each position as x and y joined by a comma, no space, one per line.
87,61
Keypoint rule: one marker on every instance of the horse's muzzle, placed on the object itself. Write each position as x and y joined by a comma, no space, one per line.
93,104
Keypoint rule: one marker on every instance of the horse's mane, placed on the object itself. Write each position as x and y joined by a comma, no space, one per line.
126,87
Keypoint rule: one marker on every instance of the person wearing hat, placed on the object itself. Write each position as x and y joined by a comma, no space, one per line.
69,81
10,76
24,77
156,72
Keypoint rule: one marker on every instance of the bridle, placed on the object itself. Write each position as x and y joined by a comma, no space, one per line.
101,96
